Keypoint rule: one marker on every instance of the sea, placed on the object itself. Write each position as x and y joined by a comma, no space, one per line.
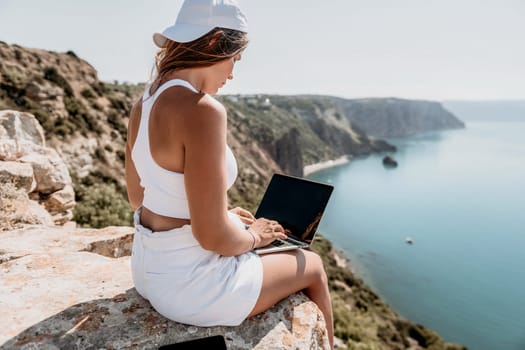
459,196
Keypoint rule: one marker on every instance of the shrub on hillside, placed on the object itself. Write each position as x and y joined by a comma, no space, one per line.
51,74
101,205
79,116
87,93
115,121
72,54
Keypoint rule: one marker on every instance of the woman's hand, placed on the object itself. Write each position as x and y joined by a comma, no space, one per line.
266,231
246,217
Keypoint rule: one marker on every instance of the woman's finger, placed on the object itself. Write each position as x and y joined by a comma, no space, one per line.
245,213
246,220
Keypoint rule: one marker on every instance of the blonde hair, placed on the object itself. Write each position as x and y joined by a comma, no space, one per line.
217,45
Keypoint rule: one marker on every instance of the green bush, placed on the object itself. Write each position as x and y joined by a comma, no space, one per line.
72,54
116,122
79,116
100,155
99,88
118,104
87,93
63,127
121,155
101,205
73,106
96,106
51,74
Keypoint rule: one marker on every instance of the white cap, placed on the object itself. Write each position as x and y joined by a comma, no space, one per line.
199,17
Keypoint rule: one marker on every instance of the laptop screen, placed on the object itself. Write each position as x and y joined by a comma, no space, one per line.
297,204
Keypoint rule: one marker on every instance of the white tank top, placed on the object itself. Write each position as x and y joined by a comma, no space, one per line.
164,191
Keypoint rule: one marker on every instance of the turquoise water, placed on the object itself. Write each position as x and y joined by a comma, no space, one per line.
461,196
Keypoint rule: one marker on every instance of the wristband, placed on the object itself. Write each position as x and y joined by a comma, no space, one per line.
253,236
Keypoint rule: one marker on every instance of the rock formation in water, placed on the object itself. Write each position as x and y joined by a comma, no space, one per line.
389,161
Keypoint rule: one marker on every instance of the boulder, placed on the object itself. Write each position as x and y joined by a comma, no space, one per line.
60,205
389,161
65,288
50,170
16,209
20,134
19,174
28,164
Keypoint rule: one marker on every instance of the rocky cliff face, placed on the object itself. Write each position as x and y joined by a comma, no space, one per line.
35,182
310,128
393,117
83,118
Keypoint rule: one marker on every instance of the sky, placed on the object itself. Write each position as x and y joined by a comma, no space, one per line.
416,49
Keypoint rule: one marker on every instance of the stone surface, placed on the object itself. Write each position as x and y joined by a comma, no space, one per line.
20,134
16,209
65,288
287,153
26,162
60,205
37,214
19,174
50,170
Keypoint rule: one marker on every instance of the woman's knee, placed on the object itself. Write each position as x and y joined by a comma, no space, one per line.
316,263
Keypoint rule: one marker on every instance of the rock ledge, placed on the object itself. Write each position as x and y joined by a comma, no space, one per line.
68,288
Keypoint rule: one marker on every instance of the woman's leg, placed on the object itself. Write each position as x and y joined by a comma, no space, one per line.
288,272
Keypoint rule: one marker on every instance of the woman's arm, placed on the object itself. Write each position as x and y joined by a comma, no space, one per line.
135,191
206,183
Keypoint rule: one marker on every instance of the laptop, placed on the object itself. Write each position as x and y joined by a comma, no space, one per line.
298,205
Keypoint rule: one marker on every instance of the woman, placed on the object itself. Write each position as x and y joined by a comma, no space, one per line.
192,257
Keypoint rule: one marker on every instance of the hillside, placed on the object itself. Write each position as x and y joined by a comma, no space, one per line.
85,120
394,117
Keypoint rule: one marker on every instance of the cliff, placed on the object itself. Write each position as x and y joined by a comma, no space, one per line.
84,121
393,117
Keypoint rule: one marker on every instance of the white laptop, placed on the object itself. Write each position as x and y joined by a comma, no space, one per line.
298,205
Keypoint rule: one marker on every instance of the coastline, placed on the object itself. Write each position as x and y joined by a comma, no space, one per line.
312,168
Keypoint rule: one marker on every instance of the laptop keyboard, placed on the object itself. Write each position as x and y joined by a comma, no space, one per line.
286,241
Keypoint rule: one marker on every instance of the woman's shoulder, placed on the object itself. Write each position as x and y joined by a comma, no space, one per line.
190,105
208,111
209,106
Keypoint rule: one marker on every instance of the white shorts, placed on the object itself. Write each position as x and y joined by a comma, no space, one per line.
190,285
